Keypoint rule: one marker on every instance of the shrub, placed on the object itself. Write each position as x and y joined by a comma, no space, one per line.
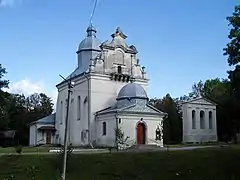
18,149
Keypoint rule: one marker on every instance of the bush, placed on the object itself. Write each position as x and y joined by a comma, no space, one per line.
18,149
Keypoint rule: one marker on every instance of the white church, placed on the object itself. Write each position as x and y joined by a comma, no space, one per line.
109,93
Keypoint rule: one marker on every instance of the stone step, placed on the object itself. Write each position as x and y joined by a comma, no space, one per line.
145,147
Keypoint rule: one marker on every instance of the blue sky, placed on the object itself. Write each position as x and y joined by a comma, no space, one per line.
179,42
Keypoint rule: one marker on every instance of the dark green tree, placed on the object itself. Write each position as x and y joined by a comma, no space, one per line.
232,51
3,83
172,124
3,99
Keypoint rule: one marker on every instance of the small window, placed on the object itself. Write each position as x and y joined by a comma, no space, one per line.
193,119
119,120
104,128
210,120
79,108
202,120
119,70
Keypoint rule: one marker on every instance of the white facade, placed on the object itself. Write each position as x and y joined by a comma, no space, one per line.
103,70
128,123
199,121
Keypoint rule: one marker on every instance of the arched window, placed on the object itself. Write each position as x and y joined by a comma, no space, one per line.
210,119
193,119
104,128
119,70
202,120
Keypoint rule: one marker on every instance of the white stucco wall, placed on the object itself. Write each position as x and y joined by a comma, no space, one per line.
109,138
103,94
32,135
76,126
128,125
199,135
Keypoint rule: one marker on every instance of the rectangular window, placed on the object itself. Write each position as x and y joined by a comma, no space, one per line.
79,108
104,128
61,112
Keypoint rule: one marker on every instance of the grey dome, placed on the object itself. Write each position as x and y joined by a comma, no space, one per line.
90,42
132,90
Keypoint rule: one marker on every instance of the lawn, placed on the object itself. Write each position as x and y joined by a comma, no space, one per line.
24,149
207,164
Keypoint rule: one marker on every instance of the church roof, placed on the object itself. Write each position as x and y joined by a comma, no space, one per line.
91,42
132,90
133,108
47,120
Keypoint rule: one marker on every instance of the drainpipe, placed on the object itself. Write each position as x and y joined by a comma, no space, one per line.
89,107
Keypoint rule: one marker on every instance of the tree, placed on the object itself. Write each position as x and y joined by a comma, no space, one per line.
3,99
3,83
233,51
172,124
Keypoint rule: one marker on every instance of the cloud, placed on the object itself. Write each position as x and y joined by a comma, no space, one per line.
28,87
9,2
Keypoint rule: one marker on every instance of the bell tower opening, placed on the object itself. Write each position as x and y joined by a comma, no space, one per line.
119,70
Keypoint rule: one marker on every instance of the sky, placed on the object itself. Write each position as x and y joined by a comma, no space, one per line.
179,42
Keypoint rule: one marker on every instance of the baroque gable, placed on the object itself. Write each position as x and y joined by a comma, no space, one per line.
118,41
118,59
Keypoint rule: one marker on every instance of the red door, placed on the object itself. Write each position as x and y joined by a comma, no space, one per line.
140,133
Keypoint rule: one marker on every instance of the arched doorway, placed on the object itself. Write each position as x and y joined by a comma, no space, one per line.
141,133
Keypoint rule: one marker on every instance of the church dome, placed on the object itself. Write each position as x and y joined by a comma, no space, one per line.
91,42
132,90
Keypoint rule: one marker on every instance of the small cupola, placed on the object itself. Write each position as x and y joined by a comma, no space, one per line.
132,91
91,42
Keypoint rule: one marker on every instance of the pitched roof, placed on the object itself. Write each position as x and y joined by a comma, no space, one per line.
133,108
199,98
46,120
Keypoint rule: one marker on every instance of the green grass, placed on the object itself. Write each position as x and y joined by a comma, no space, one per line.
24,149
207,164
200,144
